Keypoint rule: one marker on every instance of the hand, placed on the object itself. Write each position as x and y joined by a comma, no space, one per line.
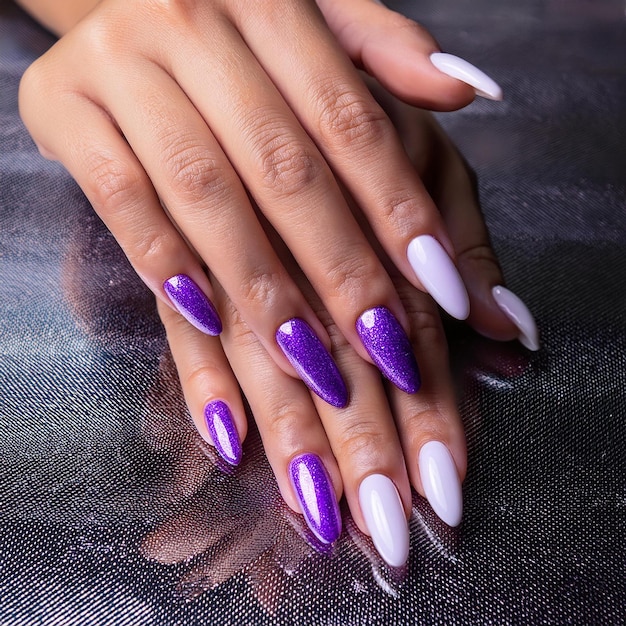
190,123
385,440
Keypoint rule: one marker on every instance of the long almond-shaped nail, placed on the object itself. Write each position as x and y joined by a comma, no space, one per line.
385,519
192,304
441,483
312,361
518,313
221,426
390,348
316,495
439,275
459,68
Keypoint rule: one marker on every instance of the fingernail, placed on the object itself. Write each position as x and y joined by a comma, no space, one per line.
441,482
439,275
192,304
459,68
312,361
390,348
385,518
519,314
316,495
220,424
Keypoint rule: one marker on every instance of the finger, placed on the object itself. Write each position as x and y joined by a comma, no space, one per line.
204,195
362,436
404,57
496,312
429,425
192,174
297,192
365,442
292,435
357,139
211,391
121,193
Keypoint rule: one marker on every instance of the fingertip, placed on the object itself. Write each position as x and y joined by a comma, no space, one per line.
405,59
519,314
222,428
461,70
441,482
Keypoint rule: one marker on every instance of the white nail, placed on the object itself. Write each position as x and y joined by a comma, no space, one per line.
459,68
441,483
385,518
439,275
519,314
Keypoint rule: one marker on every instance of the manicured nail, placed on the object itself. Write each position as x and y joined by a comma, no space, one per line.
390,348
220,424
192,304
439,275
316,495
385,518
441,482
519,314
462,70
312,361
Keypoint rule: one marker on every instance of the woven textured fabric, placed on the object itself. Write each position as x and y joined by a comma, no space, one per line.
112,511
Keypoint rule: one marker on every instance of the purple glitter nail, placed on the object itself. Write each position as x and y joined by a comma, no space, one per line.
312,361
192,304
221,426
390,348
317,496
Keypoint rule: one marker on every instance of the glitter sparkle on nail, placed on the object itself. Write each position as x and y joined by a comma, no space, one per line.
389,347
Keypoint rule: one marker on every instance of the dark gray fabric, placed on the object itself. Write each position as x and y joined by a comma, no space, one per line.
113,512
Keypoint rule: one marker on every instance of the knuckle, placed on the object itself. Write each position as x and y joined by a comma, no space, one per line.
194,173
262,286
427,330
350,275
363,440
287,166
150,246
236,330
337,339
427,424
284,423
202,376
114,184
479,253
347,117
400,211
31,80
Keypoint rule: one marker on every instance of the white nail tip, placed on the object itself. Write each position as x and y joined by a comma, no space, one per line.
519,314
438,274
441,483
460,69
385,518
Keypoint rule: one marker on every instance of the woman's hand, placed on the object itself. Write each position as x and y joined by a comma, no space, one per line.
385,441
189,123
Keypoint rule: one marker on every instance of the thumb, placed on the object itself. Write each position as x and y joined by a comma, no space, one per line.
404,57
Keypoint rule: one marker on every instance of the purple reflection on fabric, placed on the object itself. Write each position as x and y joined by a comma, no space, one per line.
390,348
312,361
317,496
192,304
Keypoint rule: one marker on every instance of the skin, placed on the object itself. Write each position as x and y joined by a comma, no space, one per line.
251,122
383,429
280,115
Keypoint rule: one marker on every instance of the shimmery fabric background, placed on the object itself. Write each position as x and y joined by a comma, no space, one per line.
113,512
